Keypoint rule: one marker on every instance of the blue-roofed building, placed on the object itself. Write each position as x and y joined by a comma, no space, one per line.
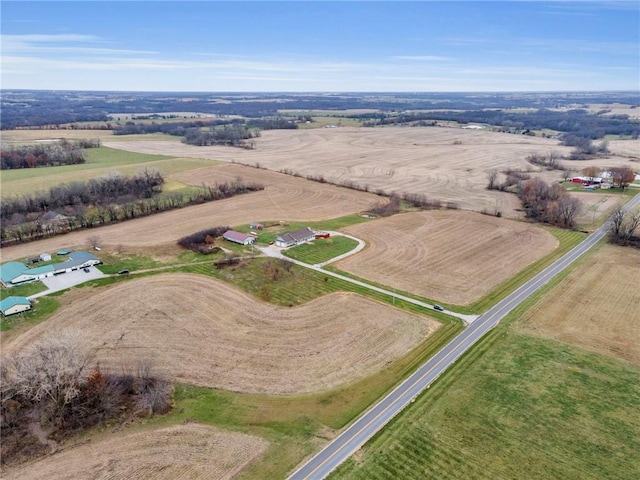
11,270
13,305
15,273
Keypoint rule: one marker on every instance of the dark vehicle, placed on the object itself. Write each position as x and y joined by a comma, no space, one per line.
86,270
123,272
439,308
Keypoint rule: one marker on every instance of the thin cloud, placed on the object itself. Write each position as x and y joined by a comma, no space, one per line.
422,58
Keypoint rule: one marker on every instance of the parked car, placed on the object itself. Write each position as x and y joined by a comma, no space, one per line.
86,270
123,272
439,308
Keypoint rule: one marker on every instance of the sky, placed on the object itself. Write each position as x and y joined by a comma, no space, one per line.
306,46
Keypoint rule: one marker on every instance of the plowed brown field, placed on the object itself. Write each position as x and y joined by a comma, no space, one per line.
455,257
284,198
595,307
173,453
448,164
205,332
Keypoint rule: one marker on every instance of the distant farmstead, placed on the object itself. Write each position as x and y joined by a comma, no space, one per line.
237,237
289,239
13,305
15,273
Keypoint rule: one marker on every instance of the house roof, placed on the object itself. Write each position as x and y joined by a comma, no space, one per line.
11,270
237,236
38,270
298,235
9,302
76,259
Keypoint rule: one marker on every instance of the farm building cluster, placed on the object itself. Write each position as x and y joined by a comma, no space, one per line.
286,239
16,273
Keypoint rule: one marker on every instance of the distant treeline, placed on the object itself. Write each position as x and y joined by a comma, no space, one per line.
25,108
171,128
578,122
33,156
230,132
230,135
100,201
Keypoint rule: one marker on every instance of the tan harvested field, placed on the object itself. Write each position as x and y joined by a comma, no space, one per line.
453,257
596,307
205,332
630,148
190,451
28,136
448,164
284,198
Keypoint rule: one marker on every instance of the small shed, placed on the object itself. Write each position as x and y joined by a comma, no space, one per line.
13,305
45,257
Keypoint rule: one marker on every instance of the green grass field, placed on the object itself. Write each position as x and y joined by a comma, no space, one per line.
100,161
321,249
517,407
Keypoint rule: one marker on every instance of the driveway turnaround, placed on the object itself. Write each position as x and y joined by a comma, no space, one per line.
372,421
67,280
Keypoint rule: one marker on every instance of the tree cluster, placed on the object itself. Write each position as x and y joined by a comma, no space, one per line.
66,208
625,228
173,128
278,123
548,203
201,241
229,135
55,387
33,156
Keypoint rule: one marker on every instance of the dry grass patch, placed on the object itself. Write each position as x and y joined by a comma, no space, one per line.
597,206
189,451
455,257
596,307
204,332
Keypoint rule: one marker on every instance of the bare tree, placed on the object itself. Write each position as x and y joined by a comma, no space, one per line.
553,159
52,369
492,176
94,241
624,226
591,172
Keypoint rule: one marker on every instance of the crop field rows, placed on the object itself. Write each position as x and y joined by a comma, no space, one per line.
525,408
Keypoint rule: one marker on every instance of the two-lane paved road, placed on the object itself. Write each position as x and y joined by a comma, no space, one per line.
380,414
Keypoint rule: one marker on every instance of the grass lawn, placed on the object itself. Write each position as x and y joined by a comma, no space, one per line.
100,161
321,249
516,407
24,290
